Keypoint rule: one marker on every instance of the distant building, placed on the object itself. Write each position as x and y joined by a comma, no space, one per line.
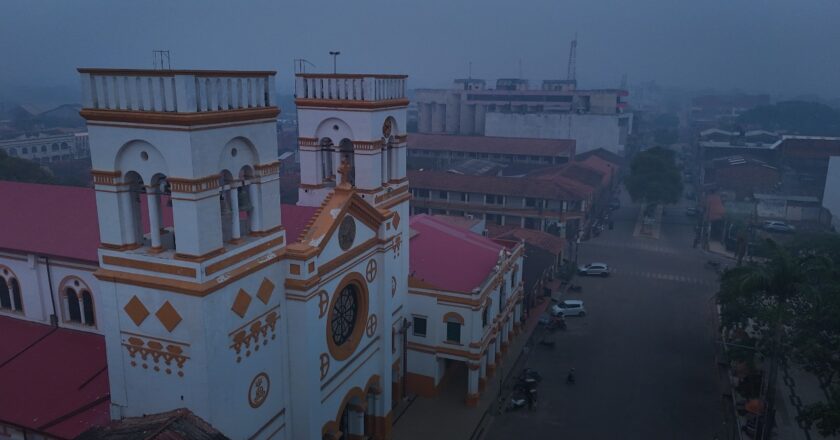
714,143
557,110
46,148
442,150
710,110
744,176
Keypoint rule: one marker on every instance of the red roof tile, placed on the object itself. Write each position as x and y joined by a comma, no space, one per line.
540,239
53,380
449,257
509,186
492,145
61,221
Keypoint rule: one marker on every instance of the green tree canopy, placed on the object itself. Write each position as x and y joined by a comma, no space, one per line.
22,170
800,117
654,177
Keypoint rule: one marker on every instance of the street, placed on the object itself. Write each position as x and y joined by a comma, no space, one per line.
644,354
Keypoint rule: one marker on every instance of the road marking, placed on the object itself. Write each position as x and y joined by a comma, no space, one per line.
667,277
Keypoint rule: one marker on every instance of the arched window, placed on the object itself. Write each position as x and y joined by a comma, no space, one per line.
55,147
10,298
24,150
502,298
13,151
77,302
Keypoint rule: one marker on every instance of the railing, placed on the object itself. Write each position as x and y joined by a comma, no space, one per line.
183,91
349,87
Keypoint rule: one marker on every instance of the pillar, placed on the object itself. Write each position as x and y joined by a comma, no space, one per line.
234,205
256,209
153,202
490,358
482,373
472,384
355,422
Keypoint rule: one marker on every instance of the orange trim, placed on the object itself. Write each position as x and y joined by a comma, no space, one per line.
388,195
294,269
355,104
311,186
180,119
349,255
149,266
396,201
105,177
267,232
453,317
235,258
343,351
472,400
119,247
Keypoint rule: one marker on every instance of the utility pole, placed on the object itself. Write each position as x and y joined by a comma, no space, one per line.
335,55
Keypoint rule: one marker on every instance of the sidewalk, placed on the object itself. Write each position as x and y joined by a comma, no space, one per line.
446,416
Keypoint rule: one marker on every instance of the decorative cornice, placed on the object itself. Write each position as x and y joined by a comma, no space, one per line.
105,177
363,105
180,119
193,186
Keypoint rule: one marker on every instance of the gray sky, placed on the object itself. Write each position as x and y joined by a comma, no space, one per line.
775,46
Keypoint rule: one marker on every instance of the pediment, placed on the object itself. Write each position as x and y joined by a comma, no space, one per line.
324,229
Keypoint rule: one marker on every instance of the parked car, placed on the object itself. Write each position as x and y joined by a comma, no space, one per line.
691,211
569,307
592,269
777,226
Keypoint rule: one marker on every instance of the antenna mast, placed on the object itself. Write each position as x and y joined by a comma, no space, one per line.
572,66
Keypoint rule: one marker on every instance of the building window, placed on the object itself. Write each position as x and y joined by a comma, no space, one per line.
453,332
43,148
485,314
423,193
24,150
464,197
513,279
502,298
419,326
55,147
530,202
77,302
10,298
442,194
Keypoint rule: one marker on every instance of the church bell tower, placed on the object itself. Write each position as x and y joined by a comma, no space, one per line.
185,172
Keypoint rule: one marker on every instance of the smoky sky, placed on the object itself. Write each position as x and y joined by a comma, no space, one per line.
773,46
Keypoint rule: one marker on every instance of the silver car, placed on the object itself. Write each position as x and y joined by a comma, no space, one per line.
594,269
569,307
777,226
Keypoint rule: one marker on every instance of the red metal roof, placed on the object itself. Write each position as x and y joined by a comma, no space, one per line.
61,221
449,257
53,380
492,144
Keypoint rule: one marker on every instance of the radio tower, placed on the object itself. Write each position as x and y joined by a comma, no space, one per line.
570,75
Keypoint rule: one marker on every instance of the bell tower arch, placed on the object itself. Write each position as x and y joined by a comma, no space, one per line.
358,118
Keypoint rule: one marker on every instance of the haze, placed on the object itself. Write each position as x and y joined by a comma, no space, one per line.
779,47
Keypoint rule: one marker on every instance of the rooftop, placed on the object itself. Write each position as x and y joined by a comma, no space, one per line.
54,380
180,424
509,186
475,256
492,145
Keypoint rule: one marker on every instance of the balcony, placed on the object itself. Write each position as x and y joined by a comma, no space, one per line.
350,90
176,96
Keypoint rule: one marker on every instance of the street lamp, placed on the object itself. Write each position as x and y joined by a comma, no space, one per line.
334,54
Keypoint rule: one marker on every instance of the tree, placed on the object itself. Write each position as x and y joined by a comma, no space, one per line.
800,117
790,304
22,170
654,177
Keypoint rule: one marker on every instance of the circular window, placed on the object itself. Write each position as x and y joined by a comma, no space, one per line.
233,152
335,127
346,233
347,316
345,313
144,155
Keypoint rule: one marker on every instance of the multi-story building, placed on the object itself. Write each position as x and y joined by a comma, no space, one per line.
460,319
557,110
444,150
46,148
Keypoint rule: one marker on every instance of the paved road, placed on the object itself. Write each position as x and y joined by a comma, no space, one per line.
644,355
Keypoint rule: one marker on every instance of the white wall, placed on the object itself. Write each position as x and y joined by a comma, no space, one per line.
590,131
831,194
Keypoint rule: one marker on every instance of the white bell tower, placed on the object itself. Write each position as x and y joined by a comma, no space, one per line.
185,172
356,118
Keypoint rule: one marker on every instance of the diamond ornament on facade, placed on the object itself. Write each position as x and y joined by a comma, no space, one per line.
241,303
136,310
168,316
265,291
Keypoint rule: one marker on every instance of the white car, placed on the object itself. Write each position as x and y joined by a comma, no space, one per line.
569,307
600,269
777,226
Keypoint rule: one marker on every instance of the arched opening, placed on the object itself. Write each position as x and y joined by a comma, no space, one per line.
136,190
74,310
5,295
87,308
345,150
389,155
249,200
158,194
326,160
229,203
77,301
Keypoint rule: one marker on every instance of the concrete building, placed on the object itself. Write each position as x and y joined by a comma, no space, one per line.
461,320
46,148
556,110
443,150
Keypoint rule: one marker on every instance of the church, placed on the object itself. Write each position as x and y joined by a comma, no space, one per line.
201,290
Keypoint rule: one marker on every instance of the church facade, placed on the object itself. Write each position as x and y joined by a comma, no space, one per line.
258,333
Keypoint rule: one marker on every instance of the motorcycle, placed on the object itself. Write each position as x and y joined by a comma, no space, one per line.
530,373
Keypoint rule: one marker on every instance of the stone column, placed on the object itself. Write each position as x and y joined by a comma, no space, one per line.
234,206
153,202
256,209
482,374
490,359
472,385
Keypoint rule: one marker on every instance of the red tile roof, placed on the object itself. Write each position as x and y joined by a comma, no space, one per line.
492,145
508,186
540,239
448,257
61,221
809,147
179,424
53,380
603,166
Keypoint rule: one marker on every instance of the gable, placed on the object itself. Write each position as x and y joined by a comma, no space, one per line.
322,231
